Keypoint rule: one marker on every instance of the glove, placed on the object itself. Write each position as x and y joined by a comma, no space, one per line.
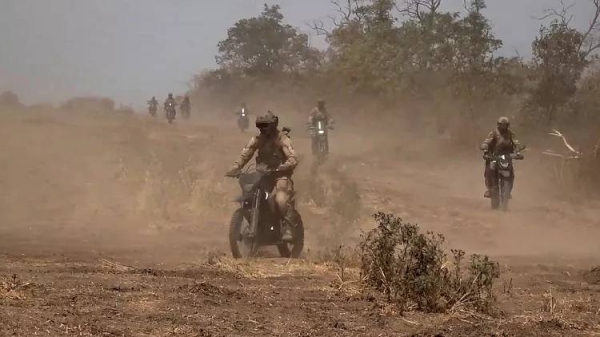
233,173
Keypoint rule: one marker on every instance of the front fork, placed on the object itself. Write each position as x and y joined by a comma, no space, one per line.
255,213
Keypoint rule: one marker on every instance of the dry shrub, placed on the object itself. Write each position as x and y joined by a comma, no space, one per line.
410,269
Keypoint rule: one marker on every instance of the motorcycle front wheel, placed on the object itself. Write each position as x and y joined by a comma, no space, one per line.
495,197
504,194
239,242
294,249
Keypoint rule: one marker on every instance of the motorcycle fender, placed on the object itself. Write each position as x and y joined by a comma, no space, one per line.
505,174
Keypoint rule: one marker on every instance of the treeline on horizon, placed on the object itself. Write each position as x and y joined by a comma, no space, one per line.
408,58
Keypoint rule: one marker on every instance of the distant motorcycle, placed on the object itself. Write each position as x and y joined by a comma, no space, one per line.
170,112
502,166
152,110
320,136
243,121
185,112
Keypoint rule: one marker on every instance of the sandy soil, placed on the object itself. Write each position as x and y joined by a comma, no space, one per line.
116,225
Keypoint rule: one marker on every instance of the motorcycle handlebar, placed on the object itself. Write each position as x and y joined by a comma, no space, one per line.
514,156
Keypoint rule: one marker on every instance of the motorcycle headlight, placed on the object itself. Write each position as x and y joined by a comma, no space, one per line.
321,132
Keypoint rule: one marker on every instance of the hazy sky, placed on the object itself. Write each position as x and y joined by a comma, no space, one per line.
133,49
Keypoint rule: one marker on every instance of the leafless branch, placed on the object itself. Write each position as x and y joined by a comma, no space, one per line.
319,27
345,11
562,15
416,8
592,44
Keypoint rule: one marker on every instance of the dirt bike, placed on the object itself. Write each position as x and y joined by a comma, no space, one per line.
243,121
502,166
320,135
185,112
152,109
170,112
256,223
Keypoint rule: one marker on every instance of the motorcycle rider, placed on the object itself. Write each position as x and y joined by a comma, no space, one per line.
319,113
275,151
186,105
169,99
244,108
152,104
500,141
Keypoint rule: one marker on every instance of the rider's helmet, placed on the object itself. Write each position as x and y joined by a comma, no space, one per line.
267,124
320,103
503,124
153,98
170,95
275,117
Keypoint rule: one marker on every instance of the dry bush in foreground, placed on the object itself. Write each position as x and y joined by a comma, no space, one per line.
410,269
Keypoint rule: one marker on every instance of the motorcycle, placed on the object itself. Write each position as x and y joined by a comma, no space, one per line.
243,121
170,112
256,223
502,166
320,136
185,112
152,109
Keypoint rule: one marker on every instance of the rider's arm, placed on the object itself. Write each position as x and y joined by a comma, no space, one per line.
488,141
246,154
311,115
517,145
290,154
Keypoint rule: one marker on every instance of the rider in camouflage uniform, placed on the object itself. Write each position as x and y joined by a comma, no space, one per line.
318,113
500,141
186,103
275,151
169,99
153,102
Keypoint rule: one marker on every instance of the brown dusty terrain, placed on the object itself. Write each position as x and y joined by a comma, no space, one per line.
116,225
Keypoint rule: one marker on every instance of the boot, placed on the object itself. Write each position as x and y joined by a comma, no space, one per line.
486,194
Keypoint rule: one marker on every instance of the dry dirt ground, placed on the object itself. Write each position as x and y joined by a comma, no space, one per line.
116,225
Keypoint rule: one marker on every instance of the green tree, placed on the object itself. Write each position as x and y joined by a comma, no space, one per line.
264,45
560,55
558,63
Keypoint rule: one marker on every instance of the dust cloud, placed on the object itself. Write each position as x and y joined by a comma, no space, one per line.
92,184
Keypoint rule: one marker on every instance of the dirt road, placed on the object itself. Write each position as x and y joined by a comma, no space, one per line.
115,225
